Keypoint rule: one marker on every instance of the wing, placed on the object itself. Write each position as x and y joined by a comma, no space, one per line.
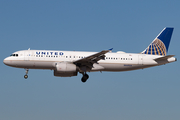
90,60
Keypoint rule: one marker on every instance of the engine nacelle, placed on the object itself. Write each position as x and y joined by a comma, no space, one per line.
64,69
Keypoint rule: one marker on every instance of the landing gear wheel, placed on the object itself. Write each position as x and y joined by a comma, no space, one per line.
84,78
25,76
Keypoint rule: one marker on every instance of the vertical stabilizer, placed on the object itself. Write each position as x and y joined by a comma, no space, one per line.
160,44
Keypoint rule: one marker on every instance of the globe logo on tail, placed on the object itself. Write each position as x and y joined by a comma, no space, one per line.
157,47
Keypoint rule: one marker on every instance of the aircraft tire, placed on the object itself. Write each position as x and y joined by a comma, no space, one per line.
84,78
25,76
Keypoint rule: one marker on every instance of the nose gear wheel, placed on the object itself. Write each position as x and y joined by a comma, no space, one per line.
26,75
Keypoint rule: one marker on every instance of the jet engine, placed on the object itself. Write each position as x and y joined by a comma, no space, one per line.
65,69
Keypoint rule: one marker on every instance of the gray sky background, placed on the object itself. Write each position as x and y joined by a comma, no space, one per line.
81,25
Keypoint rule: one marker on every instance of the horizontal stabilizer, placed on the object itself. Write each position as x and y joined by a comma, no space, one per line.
164,58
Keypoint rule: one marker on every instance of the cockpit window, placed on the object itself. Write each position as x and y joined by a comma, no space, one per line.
15,55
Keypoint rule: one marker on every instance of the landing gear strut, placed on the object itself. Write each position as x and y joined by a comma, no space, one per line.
85,77
26,76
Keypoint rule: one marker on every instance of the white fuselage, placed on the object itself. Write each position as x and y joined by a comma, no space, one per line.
46,59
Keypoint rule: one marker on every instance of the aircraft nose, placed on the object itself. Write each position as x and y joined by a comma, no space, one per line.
6,61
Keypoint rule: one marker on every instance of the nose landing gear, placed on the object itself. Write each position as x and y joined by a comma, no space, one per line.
26,76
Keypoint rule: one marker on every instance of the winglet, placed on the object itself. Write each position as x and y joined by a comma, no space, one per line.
111,49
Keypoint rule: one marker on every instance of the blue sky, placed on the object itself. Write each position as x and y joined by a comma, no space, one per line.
79,25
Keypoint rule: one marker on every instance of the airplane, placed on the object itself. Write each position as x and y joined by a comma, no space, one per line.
70,63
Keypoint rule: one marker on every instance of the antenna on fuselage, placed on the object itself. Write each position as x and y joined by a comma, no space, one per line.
29,49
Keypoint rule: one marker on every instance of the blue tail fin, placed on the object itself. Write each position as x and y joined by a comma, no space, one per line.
160,44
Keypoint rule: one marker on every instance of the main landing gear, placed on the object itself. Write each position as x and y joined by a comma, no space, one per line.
84,77
26,76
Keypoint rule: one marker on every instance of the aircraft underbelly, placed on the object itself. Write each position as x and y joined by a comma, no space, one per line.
121,67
